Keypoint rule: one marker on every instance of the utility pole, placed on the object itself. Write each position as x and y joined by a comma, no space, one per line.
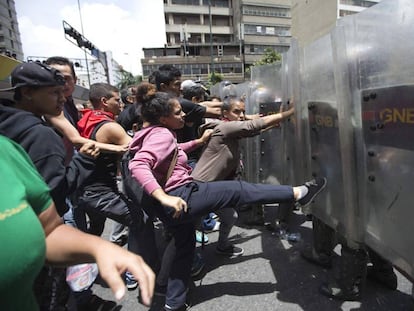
241,47
211,37
86,55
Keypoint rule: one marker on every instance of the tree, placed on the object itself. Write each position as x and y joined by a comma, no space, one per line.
214,78
270,56
127,79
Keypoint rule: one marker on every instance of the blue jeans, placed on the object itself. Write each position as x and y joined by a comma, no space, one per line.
202,198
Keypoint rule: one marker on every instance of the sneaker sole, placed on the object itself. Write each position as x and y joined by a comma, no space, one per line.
314,195
132,287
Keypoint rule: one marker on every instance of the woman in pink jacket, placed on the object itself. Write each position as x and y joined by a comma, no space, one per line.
160,166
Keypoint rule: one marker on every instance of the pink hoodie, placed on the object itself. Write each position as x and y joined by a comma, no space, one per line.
154,148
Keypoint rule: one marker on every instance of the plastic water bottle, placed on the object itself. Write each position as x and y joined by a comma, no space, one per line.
293,236
289,236
81,277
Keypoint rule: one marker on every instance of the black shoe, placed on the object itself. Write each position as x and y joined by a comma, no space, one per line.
387,278
230,251
332,290
314,186
320,259
185,307
96,303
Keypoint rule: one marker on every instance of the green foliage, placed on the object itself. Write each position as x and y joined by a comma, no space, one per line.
214,78
270,56
127,79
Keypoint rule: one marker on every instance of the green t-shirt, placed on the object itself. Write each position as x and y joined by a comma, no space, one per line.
23,196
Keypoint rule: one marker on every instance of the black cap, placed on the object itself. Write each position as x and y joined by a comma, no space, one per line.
35,74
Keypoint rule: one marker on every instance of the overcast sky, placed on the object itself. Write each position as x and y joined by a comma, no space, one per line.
121,26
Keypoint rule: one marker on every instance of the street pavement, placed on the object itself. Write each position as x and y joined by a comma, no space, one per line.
270,275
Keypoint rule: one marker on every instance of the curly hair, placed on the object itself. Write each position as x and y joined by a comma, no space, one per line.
156,105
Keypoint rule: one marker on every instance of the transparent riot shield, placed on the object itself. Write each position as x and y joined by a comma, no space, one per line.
296,151
263,153
319,97
374,73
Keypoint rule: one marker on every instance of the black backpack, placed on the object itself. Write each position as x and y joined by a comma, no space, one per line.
131,188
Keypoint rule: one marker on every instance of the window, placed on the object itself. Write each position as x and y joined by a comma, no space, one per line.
260,49
186,2
259,30
361,3
343,13
217,3
266,11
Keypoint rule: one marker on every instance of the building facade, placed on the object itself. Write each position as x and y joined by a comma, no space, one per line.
221,36
10,42
263,24
91,70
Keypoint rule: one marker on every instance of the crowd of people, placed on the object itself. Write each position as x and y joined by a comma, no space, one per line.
64,163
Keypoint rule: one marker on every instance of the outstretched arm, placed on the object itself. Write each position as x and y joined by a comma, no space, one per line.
213,109
70,132
273,120
67,246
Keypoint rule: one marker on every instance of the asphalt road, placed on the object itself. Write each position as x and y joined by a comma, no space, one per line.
271,275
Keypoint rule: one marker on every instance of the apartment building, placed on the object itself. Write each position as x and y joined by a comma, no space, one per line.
10,42
263,24
223,36
227,36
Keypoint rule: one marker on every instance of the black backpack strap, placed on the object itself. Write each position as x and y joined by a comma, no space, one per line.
96,129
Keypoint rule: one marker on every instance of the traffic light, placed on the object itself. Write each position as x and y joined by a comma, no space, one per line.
81,41
72,35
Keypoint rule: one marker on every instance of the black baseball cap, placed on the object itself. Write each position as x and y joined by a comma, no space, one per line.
35,74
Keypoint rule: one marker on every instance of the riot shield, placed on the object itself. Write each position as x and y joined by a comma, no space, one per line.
263,152
319,97
374,76
295,150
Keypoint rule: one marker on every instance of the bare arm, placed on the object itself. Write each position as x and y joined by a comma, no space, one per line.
67,246
113,133
213,109
70,132
211,104
274,119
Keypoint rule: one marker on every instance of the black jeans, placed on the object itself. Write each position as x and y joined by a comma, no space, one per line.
113,204
202,198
